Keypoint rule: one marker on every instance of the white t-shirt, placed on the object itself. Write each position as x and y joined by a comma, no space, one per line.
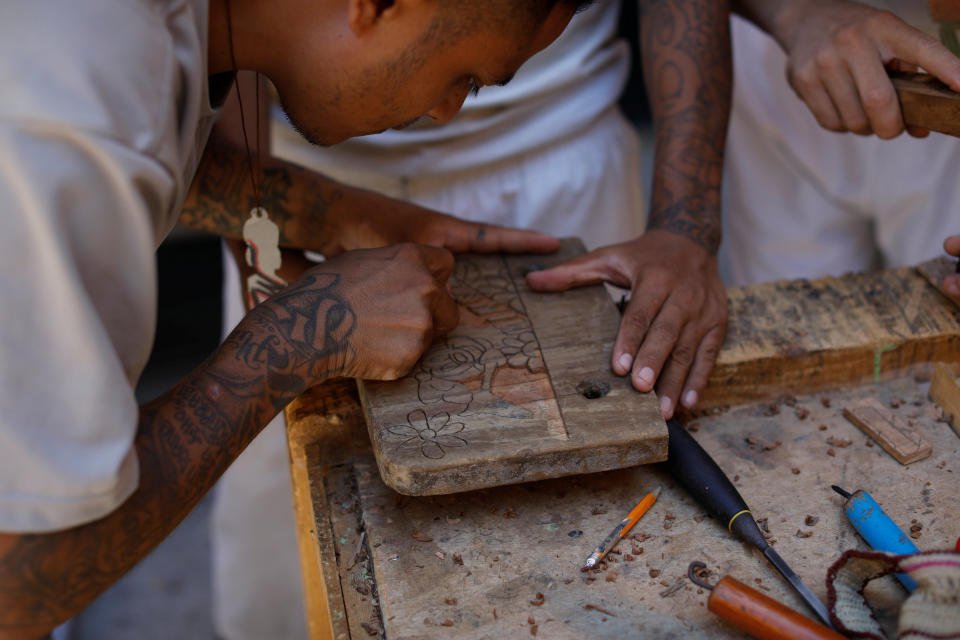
104,113
556,94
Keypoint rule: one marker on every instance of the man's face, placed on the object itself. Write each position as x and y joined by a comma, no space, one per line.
399,68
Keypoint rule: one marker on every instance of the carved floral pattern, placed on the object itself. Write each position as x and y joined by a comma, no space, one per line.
432,436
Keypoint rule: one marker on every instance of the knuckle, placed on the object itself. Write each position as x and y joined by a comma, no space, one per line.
825,61
848,36
881,20
878,98
682,356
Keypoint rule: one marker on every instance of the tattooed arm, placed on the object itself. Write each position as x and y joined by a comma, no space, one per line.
366,314
675,321
316,213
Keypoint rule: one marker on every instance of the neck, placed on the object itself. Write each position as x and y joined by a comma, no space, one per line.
219,57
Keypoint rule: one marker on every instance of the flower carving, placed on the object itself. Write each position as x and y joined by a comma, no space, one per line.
523,351
432,436
460,358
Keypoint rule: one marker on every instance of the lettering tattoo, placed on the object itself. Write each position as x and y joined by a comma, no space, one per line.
185,440
687,67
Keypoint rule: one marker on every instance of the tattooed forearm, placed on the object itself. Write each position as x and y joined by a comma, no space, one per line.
687,67
221,197
185,440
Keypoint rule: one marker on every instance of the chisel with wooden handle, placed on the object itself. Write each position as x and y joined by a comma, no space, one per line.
926,102
703,479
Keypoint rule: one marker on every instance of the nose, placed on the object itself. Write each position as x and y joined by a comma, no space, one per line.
449,106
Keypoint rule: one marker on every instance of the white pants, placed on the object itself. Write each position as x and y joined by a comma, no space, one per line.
588,186
800,201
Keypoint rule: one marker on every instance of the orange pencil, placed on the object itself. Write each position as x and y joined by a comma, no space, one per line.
621,530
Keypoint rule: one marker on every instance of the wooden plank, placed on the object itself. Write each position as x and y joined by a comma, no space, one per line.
510,395
926,102
897,438
330,413
946,393
800,336
517,541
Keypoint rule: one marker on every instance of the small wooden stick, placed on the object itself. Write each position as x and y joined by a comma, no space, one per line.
898,438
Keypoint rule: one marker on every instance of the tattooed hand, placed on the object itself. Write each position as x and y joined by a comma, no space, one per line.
674,324
365,314
837,51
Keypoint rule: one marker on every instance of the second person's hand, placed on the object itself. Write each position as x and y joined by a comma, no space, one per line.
674,324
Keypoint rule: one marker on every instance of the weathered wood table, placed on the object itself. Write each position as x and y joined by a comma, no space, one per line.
504,562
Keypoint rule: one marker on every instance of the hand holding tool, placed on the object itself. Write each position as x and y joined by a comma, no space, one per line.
703,479
876,528
761,616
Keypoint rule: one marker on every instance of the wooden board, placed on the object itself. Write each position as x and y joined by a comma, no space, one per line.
926,102
945,391
517,541
511,394
898,438
799,336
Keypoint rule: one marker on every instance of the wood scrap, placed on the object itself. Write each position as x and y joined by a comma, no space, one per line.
946,393
897,438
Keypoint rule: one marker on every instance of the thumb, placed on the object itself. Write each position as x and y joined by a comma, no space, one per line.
592,268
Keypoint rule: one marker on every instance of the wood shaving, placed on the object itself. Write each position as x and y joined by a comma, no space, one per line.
654,573
538,600
422,537
593,607
822,427
447,623
831,453
795,471
458,559
811,520
802,412
825,402
612,576
803,534
699,518
370,629
530,620
598,510
672,589
840,443
533,629
628,557
450,601
772,446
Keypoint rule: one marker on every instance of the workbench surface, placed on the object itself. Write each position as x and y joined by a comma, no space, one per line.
471,565
405,579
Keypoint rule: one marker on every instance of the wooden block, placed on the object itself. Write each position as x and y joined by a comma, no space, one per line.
936,270
801,336
927,102
897,438
946,393
522,389
945,10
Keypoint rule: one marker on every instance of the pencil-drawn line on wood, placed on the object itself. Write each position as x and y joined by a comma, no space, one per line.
432,436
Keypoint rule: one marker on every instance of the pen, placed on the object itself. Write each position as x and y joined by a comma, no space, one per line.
621,530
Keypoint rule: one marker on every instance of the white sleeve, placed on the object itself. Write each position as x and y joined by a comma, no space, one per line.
77,317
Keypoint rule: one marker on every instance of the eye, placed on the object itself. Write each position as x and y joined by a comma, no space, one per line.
474,87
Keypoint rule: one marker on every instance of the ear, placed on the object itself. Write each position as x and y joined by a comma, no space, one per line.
363,14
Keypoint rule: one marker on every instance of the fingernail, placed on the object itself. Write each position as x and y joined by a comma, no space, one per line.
690,398
625,361
646,375
665,405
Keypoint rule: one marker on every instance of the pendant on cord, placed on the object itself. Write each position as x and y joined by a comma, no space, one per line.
262,236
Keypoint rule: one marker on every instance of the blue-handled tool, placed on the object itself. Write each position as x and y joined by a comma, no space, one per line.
876,527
